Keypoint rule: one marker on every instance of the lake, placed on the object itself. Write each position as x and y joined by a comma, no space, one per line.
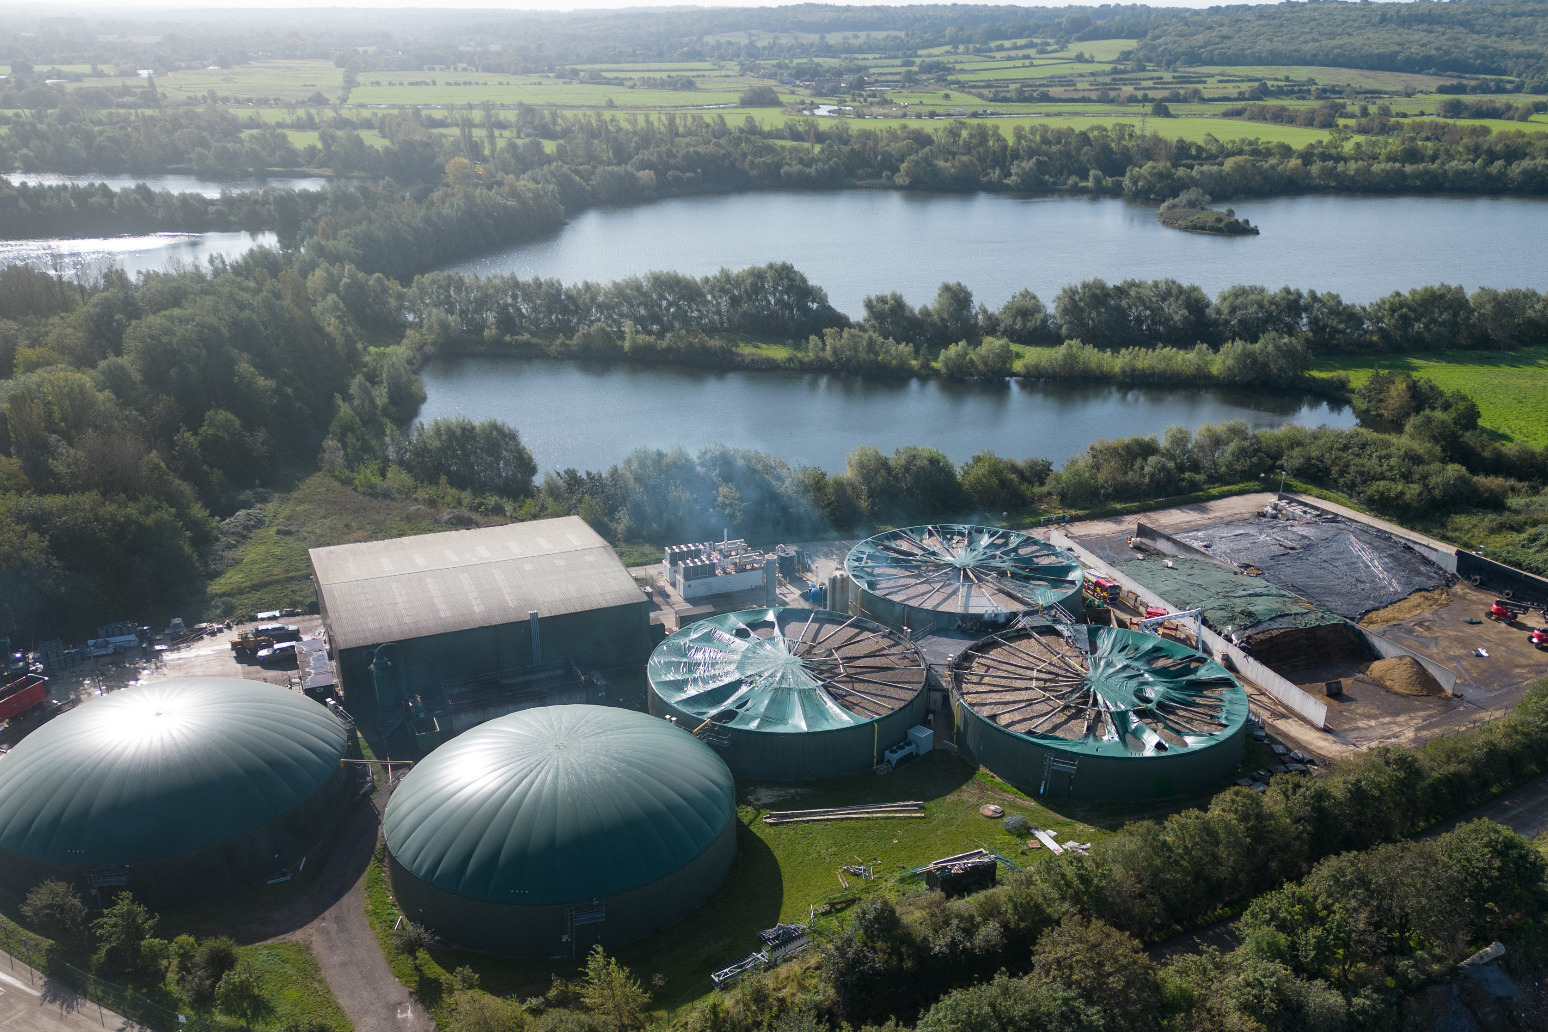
859,242
177,184
590,416
89,257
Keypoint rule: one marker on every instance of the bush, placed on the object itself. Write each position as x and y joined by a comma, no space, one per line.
57,910
759,96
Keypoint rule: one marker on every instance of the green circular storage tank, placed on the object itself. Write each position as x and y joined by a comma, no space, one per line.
1098,713
790,694
961,577
175,790
546,831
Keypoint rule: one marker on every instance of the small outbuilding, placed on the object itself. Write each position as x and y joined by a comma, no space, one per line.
544,832
177,790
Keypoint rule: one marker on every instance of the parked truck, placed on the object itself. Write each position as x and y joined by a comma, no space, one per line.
263,638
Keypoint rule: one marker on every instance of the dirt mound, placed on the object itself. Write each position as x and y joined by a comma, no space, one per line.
1410,608
1402,675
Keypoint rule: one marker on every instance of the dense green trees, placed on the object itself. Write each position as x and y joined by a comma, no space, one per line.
132,415
485,458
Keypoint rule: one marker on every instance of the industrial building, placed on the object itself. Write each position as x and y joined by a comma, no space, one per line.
960,577
545,832
176,791
470,624
1098,713
789,694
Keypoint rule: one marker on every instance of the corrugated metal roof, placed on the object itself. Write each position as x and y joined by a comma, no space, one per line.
410,587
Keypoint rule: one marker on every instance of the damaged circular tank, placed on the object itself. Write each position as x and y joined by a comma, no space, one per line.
1098,713
954,576
790,694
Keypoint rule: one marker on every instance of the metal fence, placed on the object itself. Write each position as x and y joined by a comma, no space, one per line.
60,981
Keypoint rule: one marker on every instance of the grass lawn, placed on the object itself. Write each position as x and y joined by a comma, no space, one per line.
1510,387
292,985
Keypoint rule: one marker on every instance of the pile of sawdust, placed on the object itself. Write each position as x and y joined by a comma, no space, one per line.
1403,675
1412,607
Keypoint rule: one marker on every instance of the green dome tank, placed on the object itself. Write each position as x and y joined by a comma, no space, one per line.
176,789
551,829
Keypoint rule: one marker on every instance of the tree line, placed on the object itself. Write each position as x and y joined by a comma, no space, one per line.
607,158
1142,327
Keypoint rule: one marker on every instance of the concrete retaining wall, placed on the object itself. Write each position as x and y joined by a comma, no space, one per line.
1386,648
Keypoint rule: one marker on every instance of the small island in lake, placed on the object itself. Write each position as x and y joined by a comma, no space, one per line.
1191,213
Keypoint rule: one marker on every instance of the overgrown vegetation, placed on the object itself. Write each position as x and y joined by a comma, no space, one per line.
117,958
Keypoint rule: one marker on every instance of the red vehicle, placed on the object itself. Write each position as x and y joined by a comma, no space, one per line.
22,694
1505,609
1151,612
1102,589
1539,637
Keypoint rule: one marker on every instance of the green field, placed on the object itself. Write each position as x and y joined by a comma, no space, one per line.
1510,387
276,91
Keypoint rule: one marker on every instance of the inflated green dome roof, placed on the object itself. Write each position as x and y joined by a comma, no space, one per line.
164,768
559,804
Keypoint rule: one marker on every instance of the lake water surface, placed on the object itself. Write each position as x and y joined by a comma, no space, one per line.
88,258
177,184
859,242
591,416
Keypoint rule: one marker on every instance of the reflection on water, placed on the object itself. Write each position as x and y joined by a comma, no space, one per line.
859,242
817,418
88,258
177,184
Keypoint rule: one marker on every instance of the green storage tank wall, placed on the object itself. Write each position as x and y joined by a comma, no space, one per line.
186,788
1056,580
505,836
780,720
1039,764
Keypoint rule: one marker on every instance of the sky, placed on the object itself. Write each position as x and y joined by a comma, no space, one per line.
522,5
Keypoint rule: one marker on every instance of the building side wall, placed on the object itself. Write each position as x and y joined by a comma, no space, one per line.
793,756
1023,762
513,930
210,872
615,636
